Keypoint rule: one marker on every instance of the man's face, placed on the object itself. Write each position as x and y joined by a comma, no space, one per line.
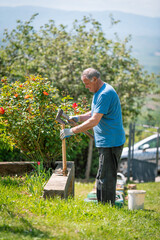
88,84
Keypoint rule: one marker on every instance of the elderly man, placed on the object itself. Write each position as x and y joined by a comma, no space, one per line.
105,118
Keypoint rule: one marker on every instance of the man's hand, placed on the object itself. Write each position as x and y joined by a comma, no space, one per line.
74,118
67,132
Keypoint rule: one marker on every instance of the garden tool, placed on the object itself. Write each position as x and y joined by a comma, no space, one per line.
70,121
64,154
63,148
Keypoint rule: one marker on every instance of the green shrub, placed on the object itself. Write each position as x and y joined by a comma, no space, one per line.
8,155
27,114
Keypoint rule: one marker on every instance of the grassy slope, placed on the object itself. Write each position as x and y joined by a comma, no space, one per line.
28,216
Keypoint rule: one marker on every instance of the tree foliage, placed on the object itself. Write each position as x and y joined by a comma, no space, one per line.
61,55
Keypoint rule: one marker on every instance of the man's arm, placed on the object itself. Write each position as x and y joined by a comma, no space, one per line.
89,123
80,118
84,117
86,125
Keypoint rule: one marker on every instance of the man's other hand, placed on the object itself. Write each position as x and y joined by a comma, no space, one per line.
67,132
73,118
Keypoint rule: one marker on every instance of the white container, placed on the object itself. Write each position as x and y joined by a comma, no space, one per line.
121,178
136,199
121,181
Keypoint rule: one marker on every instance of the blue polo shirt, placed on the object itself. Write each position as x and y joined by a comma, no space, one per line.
109,132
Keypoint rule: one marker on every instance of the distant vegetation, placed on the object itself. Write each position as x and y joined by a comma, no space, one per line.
144,31
60,56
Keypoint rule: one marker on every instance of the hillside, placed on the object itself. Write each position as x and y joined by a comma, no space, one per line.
145,31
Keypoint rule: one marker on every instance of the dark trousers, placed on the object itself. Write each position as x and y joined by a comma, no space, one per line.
107,174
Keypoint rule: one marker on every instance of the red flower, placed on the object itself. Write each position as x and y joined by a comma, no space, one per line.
16,95
21,85
2,111
38,163
3,80
75,105
27,96
45,93
33,79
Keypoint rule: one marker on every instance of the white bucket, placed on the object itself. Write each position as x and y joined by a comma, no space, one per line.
136,199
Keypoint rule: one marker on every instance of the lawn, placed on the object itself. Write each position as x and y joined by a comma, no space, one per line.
24,214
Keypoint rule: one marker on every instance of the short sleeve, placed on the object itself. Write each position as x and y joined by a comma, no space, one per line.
102,104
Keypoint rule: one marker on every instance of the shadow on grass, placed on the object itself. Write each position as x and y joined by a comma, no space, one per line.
22,231
149,210
25,228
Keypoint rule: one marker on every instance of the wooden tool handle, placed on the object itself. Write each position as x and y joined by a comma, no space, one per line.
64,154
89,135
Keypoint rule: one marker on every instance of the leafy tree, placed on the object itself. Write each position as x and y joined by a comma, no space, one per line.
61,55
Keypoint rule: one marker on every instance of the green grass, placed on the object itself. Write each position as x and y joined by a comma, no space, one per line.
24,214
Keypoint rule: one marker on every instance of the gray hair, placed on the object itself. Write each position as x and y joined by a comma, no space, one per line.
90,73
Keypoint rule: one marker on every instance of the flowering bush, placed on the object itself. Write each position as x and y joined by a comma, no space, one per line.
28,112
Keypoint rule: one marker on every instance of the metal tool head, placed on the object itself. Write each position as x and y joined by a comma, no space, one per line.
58,116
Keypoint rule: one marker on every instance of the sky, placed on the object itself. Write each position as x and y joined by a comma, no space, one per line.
149,8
